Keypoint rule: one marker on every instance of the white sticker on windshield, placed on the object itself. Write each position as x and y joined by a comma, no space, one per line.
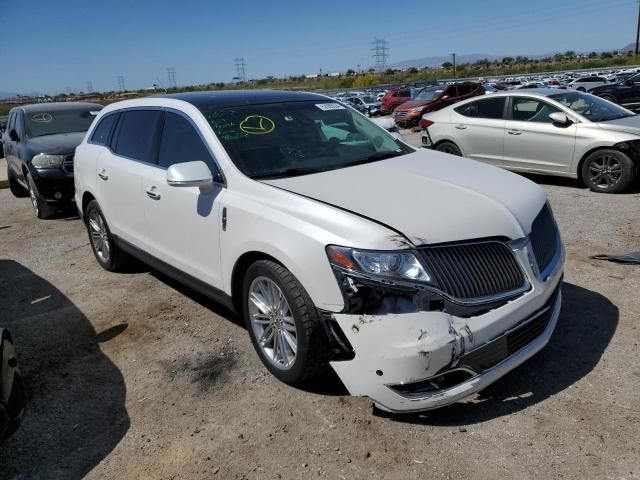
42,118
330,106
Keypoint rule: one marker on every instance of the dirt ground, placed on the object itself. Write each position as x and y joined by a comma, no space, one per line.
134,376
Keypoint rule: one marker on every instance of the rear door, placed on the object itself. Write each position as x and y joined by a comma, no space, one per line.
532,142
183,223
120,171
478,128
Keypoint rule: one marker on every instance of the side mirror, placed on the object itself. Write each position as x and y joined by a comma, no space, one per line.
13,135
189,174
444,97
560,119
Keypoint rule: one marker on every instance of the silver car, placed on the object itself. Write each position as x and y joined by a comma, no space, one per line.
548,131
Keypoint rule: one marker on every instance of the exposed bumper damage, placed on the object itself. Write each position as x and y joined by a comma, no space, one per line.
428,359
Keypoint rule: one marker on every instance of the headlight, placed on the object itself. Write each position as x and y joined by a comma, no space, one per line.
416,110
400,265
43,160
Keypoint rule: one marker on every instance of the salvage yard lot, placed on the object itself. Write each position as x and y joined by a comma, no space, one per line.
134,376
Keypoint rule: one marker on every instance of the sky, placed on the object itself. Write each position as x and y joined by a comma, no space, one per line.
61,45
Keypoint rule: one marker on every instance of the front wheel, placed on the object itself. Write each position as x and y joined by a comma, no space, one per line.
608,171
40,207
609,98
450,148
283,323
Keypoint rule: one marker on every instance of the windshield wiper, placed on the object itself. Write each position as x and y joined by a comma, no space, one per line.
374,157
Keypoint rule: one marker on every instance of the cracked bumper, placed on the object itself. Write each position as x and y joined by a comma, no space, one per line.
405,349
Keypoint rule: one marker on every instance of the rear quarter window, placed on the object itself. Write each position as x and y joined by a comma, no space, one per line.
101,134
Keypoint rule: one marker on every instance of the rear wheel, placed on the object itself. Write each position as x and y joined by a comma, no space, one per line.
16,189
449,147
283,323
39,204
107,253
608,97
608,171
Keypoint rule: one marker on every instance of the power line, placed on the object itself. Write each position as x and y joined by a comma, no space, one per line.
121,83
380,50
241,70
171,73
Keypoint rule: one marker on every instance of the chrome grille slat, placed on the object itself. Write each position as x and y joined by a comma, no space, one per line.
67,164
475,270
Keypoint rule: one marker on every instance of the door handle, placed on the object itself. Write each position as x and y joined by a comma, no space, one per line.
153,193
103,175
461,127
514,132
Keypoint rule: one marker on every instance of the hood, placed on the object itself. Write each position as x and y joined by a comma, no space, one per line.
413,104
625,125
62,143
429,197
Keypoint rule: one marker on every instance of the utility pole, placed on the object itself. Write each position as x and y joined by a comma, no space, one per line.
120,83
241,70
89,86
380,53
638,29
171,73
454,64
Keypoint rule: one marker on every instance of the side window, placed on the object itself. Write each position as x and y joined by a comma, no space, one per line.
451,92
101,133
395,94
491,108
181,143
405,93
19,124
12,121
531,110
136,131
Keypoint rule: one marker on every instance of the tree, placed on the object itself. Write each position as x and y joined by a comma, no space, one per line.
558,57
507,60
351,72
365,80
389,71
570,54
413,70
447,65
593,55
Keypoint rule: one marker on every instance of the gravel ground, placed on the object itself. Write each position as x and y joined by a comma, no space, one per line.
134,376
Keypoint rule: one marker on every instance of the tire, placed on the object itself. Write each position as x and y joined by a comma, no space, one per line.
581,89
608,171
40,207
311,356
16,189
449,147
107,253
608,97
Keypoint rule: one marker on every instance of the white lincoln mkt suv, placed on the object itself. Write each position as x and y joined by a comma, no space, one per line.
419,277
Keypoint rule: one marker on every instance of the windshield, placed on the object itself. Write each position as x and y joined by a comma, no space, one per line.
591,107
429,94
297,138
38,124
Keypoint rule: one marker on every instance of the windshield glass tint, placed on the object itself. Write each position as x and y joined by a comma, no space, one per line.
296,138
428,94
38,124
591,107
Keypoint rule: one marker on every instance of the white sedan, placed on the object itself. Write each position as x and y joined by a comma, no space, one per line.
548,131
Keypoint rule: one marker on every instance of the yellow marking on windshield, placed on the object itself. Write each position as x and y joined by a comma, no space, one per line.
257,125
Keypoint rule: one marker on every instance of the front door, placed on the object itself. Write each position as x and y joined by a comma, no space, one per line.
532,142
183,223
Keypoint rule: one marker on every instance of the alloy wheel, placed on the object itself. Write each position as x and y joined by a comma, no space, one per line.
605,172
272,322
34,201
99,236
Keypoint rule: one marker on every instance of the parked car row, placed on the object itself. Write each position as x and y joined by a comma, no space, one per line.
298,213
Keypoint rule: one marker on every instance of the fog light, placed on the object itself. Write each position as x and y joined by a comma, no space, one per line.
57,195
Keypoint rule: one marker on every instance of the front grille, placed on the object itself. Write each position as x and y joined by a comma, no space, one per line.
401,114
475,270
511,342
67,164
544,238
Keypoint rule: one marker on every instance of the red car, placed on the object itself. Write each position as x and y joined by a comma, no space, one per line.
393,98
434,98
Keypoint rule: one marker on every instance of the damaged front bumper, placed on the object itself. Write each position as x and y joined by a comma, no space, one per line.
417,361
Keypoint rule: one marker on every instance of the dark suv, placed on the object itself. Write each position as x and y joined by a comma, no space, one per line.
625,93
39,144
433,98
